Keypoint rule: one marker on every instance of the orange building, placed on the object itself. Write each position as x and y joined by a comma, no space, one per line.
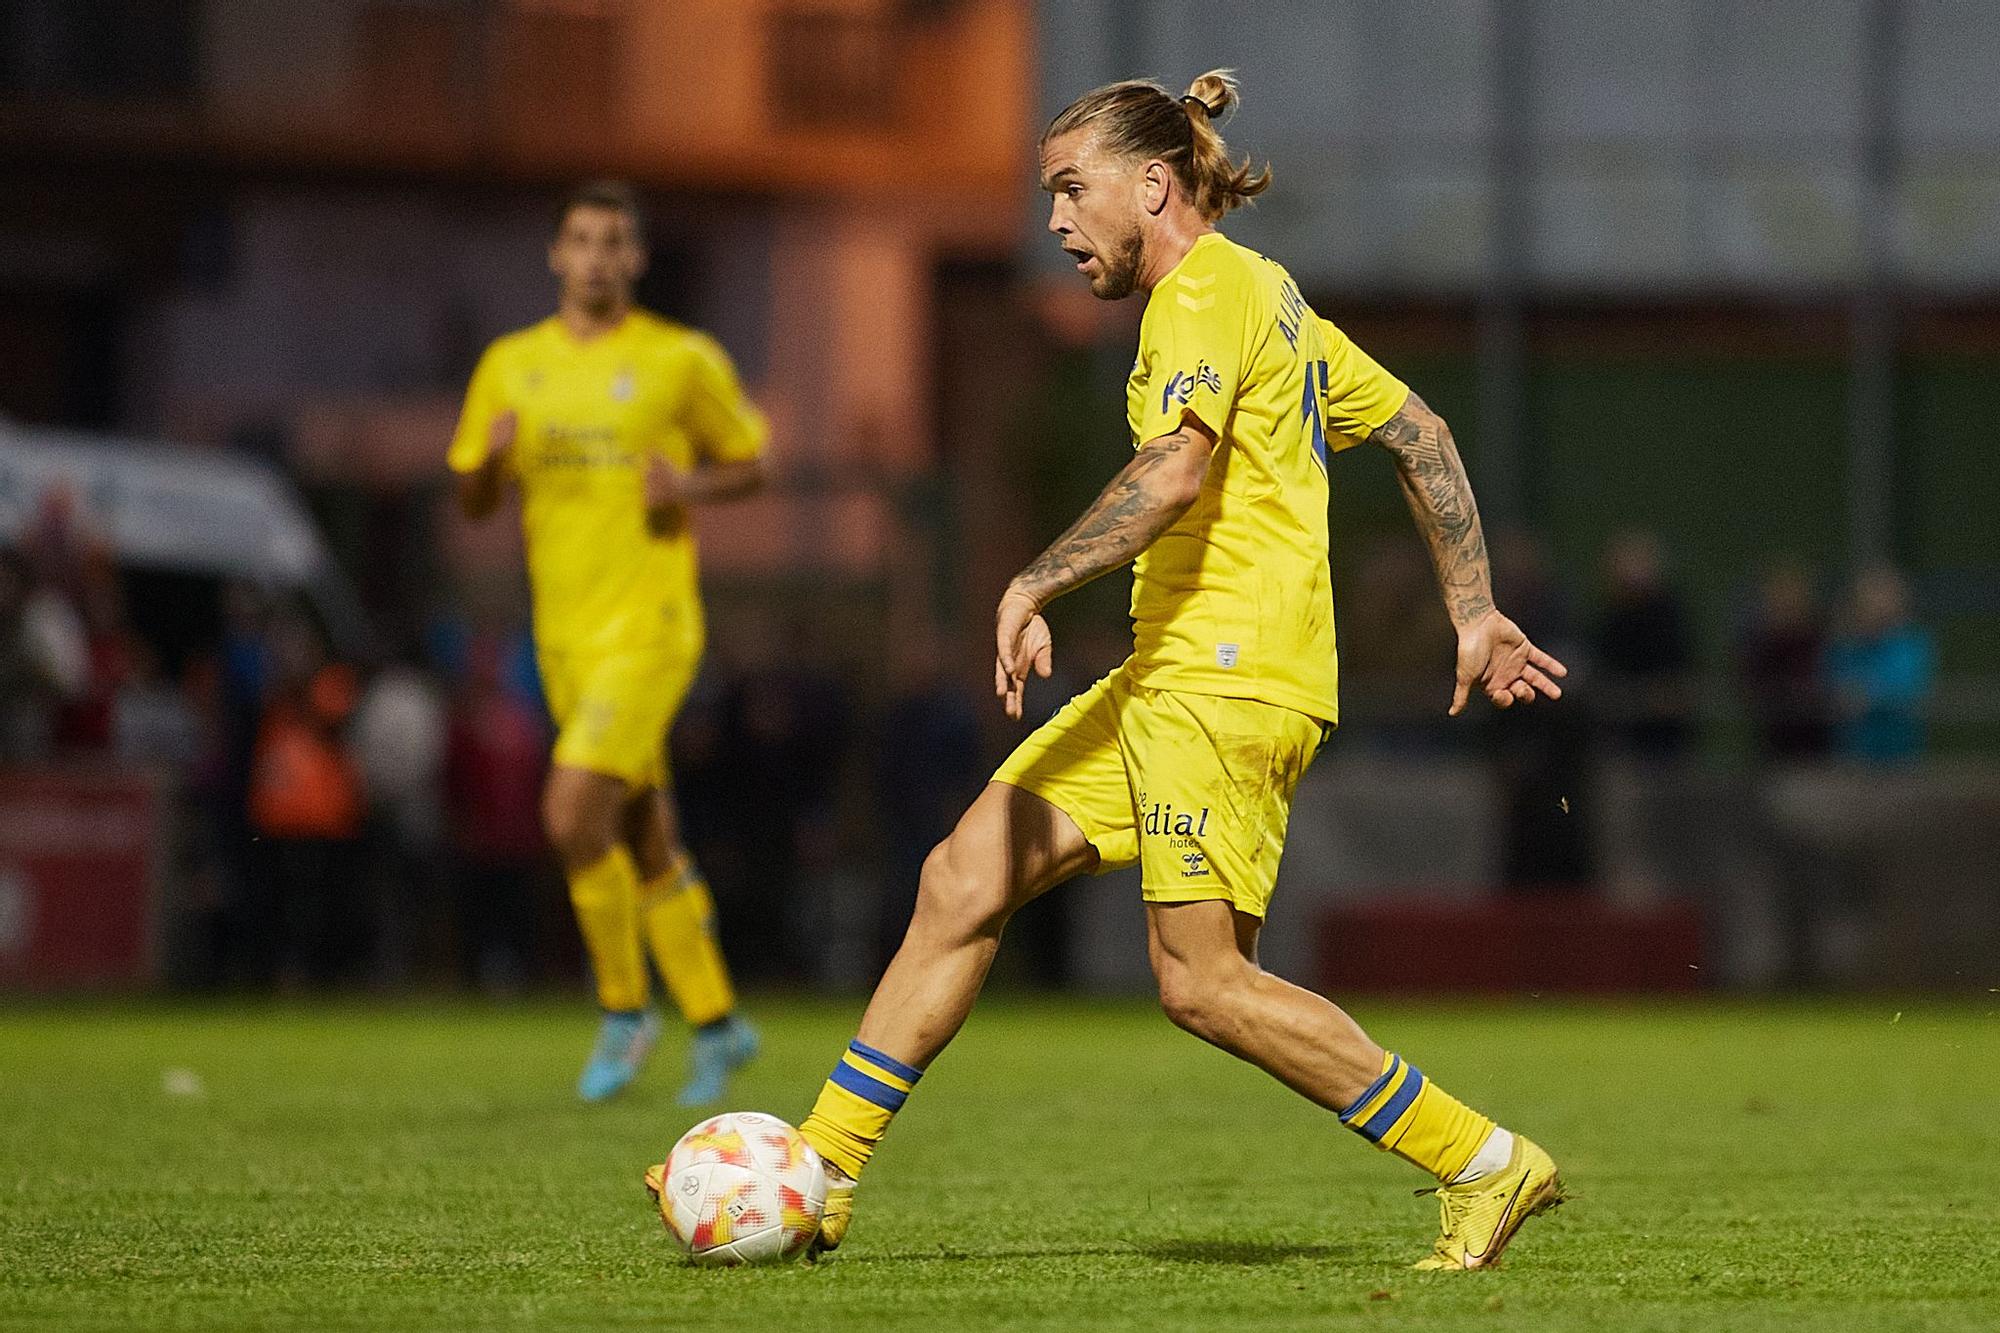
864,141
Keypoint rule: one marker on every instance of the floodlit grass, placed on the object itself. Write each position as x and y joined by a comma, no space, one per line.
1064,1166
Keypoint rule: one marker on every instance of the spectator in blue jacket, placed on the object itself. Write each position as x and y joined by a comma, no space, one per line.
1880,671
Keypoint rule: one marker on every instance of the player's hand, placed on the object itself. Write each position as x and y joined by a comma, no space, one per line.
1495,658
666,496
1024,644
500,437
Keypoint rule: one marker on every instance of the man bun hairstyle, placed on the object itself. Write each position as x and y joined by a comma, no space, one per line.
1140,119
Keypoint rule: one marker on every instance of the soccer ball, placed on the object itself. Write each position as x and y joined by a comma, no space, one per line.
742,1188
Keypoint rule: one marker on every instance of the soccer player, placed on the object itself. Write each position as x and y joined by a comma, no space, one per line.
614,422
1185,758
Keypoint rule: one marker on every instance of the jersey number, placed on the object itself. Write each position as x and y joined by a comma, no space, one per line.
1309,409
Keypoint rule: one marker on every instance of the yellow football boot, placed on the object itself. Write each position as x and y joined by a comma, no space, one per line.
839,1211
656,1181
1479,1217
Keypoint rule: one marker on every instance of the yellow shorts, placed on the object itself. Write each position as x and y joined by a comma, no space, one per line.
1194,787
613,710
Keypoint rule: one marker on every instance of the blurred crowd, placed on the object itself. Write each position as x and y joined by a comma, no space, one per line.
356,817
1844,675
1802,677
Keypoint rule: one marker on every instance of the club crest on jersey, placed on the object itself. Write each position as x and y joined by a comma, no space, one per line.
1180,389
622,386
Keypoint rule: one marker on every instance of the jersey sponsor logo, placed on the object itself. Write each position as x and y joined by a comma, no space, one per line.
1195,864
1180,389
1161,817
581,447
1183,829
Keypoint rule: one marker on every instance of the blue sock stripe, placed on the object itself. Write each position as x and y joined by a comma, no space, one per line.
868,1089
1375,1088
1392,1110
888,1062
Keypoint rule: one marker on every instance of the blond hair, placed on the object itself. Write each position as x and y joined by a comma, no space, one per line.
1141,120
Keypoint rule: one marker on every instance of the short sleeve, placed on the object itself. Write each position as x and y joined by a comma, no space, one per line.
725,425
1360,395
1191,347
484,400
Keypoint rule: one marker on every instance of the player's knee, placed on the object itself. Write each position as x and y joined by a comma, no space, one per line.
579,833
1185,1005
959,896
1202,1000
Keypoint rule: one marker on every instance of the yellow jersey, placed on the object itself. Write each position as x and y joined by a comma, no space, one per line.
1236,598
591,415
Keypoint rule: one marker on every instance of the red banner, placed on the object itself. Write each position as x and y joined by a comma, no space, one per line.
79,853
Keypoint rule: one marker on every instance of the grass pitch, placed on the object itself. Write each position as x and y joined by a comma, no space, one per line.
1064,1166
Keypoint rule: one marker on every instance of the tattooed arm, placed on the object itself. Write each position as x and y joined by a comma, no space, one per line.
1493,653
1440,498
1142,501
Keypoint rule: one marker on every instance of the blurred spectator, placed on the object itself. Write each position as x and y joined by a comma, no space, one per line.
306,809
398,740
50,656
86,719
1541,755
42,658
496,754
1642,660
1396,647
242,673
1643,651
1879,671
1780,661
1781,664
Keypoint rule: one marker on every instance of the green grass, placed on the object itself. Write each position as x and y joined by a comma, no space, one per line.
1064,1166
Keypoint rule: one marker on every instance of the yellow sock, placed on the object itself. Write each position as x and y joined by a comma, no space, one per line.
1405,1113
856,1105
605,895
678,915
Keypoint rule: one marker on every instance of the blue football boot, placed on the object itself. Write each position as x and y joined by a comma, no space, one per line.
623,1042
719,1050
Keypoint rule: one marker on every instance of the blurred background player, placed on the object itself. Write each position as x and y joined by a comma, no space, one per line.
1185,758
613,422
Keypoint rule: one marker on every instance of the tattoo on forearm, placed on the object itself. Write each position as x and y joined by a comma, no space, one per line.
1126,518
1440,499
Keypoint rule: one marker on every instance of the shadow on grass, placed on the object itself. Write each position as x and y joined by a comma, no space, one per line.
1219,1253
1239,1253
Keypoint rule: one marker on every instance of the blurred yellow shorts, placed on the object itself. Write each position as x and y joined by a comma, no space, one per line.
1194,787
613,710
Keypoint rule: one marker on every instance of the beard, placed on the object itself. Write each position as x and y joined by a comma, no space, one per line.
596,299
1118,271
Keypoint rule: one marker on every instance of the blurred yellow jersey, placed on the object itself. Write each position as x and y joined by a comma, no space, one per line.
591,416
1236,598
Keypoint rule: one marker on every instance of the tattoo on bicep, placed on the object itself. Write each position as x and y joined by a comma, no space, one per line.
1123,521
1440,499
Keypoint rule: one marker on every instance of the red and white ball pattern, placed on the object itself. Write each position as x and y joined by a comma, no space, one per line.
743,1188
